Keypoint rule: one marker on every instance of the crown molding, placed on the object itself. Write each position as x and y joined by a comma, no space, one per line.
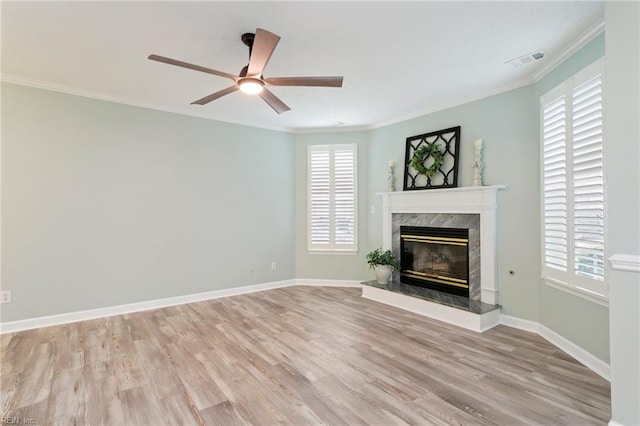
578,44
457,102
62,88
325,130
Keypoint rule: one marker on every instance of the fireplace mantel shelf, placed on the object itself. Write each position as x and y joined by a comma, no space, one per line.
422,192
471,199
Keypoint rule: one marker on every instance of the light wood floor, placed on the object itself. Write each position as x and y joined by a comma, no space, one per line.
299,355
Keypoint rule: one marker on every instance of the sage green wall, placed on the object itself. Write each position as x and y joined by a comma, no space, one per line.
507,124
622,154
330,266
583,322
106,204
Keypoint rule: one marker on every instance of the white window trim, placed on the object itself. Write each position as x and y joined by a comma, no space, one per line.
338,252
576,291
576,286
315,250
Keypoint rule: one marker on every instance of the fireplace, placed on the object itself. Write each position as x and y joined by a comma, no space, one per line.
472,208
436,258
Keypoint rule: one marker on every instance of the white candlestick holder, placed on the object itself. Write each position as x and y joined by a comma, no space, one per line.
391,179
478,166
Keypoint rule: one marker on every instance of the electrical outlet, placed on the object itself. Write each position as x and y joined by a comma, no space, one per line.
5,296
274,266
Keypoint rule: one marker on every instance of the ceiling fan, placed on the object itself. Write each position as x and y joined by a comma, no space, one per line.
250,80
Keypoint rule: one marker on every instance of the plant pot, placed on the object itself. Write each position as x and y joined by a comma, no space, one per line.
383,273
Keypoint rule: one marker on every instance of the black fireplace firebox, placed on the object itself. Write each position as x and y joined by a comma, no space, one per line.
436,258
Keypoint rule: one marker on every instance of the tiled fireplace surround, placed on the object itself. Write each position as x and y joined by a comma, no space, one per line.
474,208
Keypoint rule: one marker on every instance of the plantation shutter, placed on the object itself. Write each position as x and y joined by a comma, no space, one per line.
588,180
320,197
573,184
555,184
331,171
345,193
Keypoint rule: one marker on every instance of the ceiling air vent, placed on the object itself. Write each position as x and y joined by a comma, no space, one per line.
522,60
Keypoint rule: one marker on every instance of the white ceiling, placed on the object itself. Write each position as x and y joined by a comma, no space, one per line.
398,59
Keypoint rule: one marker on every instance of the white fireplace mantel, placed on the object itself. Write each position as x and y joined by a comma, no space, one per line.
482,200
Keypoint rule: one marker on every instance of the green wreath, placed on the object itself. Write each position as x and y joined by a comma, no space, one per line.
421,154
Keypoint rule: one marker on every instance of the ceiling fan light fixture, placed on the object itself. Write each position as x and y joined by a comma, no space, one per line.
251,86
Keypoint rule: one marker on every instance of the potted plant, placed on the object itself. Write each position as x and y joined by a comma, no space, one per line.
383,263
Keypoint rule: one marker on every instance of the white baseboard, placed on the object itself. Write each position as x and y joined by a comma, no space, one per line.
613,423
66,318
586,358
328,283
590,361
519,323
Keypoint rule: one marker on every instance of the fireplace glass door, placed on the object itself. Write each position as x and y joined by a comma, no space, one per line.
436,258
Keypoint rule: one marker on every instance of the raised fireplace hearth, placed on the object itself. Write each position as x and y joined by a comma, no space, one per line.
457,310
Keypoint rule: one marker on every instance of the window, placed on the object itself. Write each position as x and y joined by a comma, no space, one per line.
332,205
573,184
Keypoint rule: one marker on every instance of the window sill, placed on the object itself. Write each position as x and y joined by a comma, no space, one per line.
338,252
576,291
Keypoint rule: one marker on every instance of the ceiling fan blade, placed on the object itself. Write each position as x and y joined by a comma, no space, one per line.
273,101
192,67
264,44
305,81
215,96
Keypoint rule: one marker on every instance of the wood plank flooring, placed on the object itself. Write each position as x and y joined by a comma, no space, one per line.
296,356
